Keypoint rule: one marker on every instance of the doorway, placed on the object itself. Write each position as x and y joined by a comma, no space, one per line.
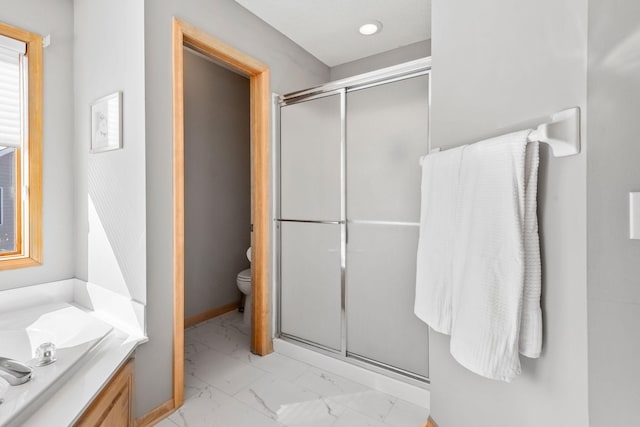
186,35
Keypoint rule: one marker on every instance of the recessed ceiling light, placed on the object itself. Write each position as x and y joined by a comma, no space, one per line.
370,28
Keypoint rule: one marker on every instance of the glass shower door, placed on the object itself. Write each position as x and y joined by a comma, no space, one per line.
310,277
387,132
312,220
311,159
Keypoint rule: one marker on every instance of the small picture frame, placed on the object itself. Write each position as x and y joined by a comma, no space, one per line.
106,123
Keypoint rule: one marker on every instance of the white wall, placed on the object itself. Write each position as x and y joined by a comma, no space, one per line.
498,64
110,186
53,17
613,172
291,68
217,183
385,59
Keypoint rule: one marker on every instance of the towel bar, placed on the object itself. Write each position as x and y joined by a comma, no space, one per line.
562,133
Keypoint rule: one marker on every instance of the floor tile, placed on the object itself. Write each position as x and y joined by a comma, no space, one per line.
404,414
225,339
166,423
191,348
311,413
312,423
213,408
227,386
233,319
226,373
277,398
327,384
277,364
192,345
371,403
352,418
193,386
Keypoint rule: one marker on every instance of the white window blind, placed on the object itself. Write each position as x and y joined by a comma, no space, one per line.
11,92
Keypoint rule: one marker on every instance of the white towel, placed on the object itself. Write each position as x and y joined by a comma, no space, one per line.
495,248
531,325
435,245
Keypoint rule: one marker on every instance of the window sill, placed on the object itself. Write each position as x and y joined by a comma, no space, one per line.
11,263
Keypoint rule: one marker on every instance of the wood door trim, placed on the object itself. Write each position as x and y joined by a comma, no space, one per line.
155,415
185,34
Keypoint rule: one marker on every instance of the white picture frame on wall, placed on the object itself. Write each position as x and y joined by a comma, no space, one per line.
106,123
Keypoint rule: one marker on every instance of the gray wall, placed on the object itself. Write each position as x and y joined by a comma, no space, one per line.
53,17
110,186
497,64
385,59
217,181
291,68
613,172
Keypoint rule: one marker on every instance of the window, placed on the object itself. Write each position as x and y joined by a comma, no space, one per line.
20,148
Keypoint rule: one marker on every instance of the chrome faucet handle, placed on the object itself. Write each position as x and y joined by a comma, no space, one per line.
14,372
45,354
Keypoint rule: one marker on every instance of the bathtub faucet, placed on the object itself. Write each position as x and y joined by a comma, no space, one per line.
14,372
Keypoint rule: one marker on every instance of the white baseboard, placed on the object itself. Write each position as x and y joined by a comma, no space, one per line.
408,392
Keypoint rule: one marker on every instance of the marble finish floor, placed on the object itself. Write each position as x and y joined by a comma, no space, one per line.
227,386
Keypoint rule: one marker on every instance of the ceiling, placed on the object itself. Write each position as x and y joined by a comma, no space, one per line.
328,29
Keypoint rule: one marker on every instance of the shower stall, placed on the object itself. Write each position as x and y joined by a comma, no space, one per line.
347,218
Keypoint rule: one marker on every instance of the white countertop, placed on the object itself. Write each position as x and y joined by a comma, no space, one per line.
63,405
64,402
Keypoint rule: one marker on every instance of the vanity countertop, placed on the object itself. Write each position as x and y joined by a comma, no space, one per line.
62,403
70,400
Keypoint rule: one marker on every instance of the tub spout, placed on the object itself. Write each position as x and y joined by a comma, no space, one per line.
14,372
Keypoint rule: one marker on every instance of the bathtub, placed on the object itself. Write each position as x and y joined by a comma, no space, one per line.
74,332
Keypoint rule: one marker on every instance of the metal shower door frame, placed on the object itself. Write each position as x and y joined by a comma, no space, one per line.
400,72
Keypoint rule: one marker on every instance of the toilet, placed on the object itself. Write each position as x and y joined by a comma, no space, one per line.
243,280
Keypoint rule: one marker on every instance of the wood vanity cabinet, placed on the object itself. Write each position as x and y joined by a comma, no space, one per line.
112,407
